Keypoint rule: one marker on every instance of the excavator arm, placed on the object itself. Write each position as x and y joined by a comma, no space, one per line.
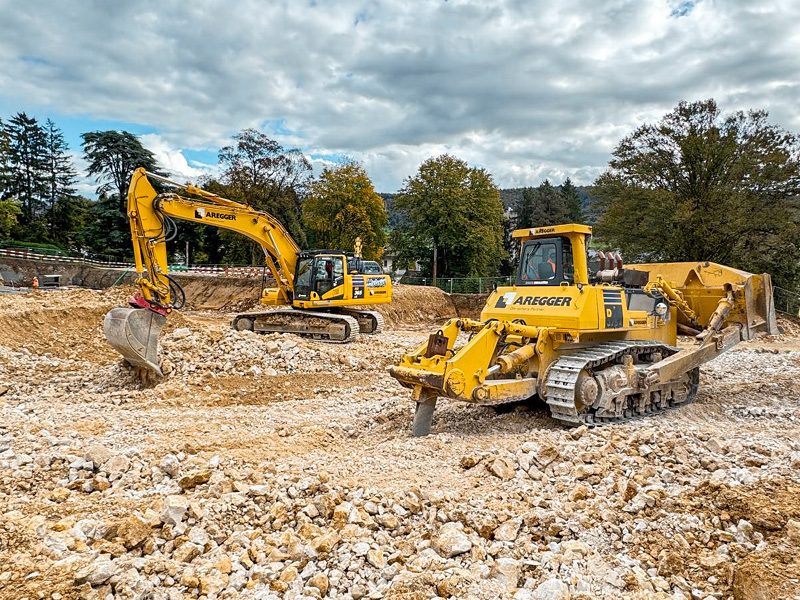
134,331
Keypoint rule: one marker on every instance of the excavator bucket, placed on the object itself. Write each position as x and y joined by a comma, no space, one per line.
134,333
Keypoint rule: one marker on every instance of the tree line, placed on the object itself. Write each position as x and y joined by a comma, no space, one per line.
696,185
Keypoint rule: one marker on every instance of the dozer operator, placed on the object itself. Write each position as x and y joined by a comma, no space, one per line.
317,292
596,342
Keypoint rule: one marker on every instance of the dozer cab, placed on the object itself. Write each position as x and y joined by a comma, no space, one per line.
596,341
321,294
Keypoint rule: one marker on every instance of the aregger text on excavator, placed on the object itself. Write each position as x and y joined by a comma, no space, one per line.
318,293
595,340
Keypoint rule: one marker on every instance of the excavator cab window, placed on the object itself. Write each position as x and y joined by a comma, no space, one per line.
328,273
303,280
546,261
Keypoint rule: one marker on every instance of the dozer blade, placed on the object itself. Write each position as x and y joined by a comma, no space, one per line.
134,332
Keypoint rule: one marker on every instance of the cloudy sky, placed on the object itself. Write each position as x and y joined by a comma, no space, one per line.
527,89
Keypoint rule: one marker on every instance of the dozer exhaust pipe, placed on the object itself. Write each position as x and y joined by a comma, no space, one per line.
134,332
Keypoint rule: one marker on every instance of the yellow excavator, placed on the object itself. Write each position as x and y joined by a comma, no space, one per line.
595,340
317,292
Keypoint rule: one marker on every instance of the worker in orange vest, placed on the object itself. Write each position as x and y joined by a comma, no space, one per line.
35,283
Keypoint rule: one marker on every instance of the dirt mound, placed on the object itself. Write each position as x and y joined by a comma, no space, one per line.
220,293
469,305
66,324
414,304
790,325
411,305
768,575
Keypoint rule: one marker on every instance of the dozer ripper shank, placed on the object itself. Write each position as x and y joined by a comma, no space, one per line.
597,342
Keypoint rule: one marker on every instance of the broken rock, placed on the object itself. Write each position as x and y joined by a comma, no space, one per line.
451,541
194,479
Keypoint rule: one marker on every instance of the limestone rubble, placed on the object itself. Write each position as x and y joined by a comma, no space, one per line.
282,468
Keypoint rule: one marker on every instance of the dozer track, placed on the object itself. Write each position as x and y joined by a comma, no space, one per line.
370,321
563,376
325,326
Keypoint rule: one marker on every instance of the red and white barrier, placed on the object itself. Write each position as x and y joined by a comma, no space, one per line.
217,270
28,255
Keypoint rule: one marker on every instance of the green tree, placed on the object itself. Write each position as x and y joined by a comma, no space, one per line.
698,185
342,205
572,201
5,161
455,212
60,175
267,176
113,156
9,211
72,216
27,180
108,231
260,172
540,206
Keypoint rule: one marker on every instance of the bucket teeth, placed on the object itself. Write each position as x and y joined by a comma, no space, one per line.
134,332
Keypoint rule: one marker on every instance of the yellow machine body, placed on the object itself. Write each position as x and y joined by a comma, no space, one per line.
280,250
621,321
320,292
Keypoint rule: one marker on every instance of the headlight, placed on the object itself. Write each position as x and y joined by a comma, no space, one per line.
661,309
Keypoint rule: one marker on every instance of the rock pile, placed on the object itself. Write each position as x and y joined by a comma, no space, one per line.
282,468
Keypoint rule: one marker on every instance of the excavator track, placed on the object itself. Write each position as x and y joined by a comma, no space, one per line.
370,321
564,373
328,327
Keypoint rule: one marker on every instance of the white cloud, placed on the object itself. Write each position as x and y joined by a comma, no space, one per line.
527,89
172,159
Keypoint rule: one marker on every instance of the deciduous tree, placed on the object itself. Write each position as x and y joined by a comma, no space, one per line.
267,176
699,185
9,211
342,205
455,211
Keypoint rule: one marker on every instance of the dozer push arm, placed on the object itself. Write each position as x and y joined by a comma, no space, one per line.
149,214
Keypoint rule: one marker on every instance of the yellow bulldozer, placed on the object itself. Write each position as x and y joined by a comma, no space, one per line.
596,340
318,293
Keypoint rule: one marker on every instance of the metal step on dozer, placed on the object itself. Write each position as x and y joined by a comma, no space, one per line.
594,339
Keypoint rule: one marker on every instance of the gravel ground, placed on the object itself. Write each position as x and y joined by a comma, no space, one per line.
280,468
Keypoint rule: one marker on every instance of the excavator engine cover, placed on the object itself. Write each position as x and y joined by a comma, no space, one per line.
134,332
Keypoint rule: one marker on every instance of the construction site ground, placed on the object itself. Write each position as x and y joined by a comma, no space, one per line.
276,467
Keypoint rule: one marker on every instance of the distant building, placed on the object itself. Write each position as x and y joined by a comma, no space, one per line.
389,261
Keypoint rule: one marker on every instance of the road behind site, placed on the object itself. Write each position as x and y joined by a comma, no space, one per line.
279,467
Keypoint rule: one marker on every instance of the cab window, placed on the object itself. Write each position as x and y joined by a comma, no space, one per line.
538,262
567,266
328,273
303,278
546,261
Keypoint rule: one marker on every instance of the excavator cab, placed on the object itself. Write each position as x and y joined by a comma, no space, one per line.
317,274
